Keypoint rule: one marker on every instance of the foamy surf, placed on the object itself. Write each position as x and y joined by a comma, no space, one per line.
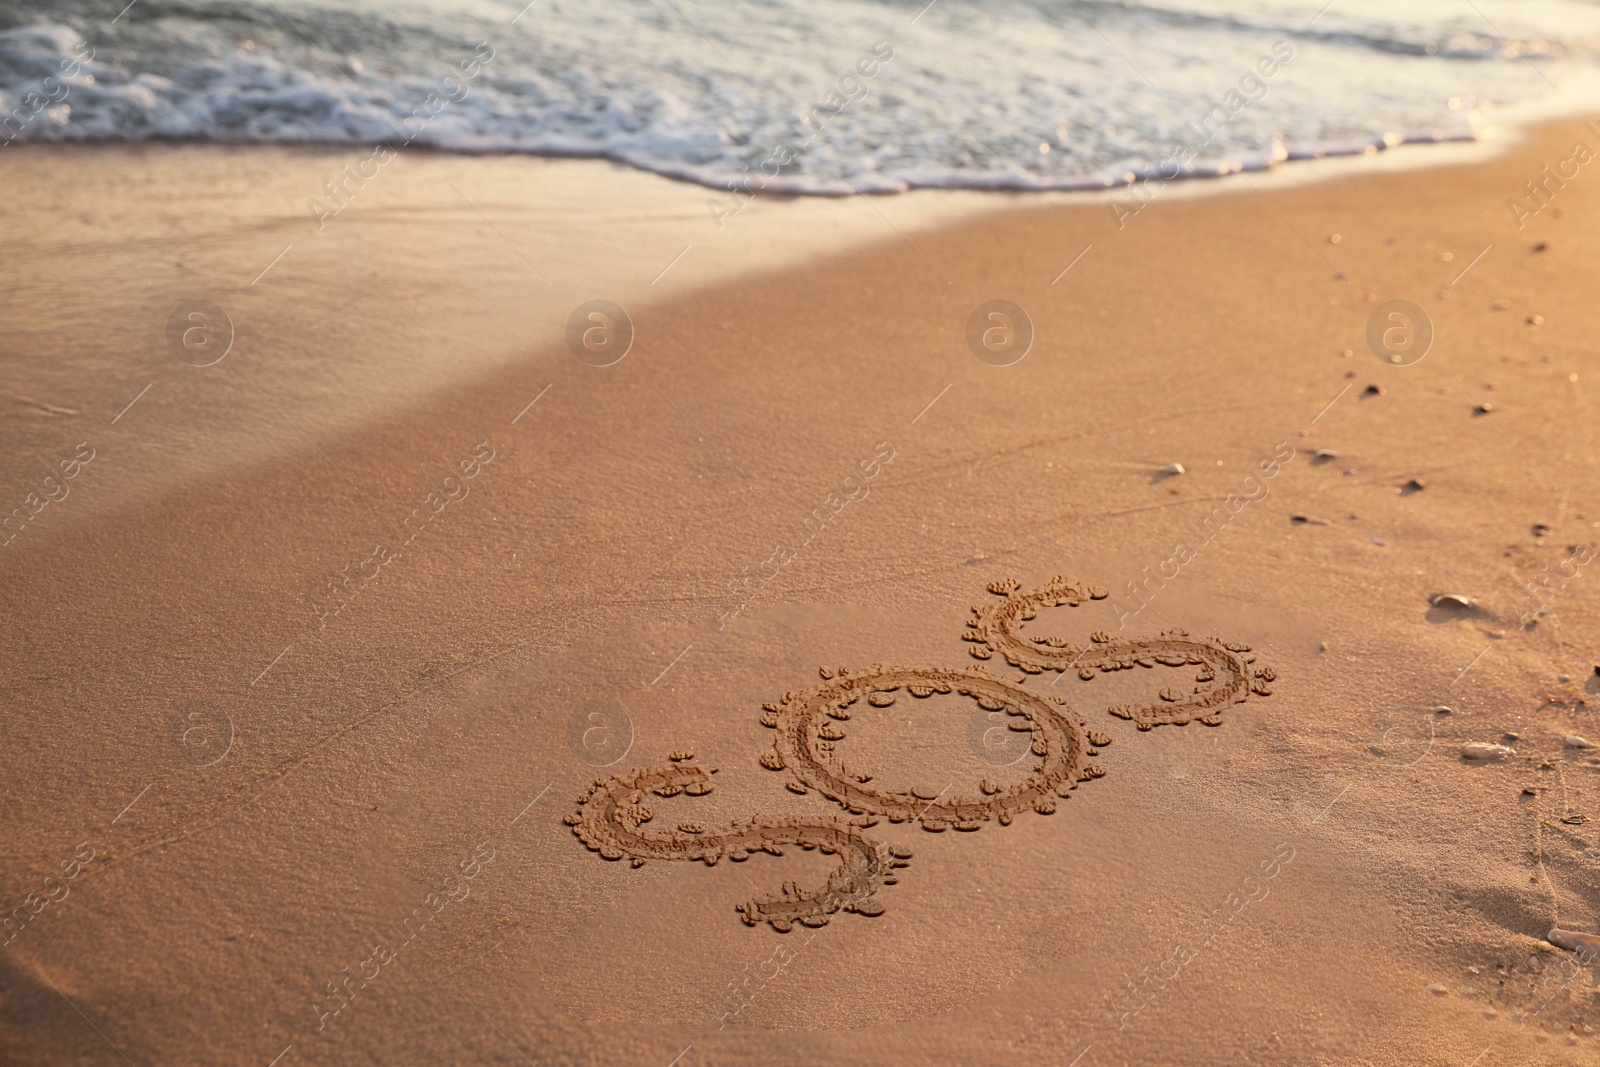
827,98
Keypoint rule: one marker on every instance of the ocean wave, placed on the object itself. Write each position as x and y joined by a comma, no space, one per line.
831,97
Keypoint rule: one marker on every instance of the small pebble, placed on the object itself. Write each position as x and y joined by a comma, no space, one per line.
1500,305
1173,468
1347,353
1535,320
1334,238
1307,520
1509,736
1413,486
1540,529
1574,741
1540,247
1322,455
1374,390
1483,750
1563,678
1377,542
1483,408
1452,600
1438,989
1444,709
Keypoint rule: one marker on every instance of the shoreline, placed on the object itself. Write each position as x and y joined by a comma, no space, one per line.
1508,127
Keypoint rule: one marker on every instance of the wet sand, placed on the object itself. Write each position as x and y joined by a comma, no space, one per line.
311,657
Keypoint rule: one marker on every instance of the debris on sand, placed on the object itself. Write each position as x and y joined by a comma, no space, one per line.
1573,941
1453,600
1484,750
1574,741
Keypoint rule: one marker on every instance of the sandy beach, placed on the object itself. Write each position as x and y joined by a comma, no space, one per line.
312,649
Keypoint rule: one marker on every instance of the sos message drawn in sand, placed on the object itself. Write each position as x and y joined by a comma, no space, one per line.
612,816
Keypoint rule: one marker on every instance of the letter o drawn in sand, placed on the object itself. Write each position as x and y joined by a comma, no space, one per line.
809,726
999,333
199,332
1400,333
600,333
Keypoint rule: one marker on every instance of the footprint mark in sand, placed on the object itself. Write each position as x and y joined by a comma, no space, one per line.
612,815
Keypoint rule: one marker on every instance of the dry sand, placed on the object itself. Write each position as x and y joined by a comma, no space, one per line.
267,794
